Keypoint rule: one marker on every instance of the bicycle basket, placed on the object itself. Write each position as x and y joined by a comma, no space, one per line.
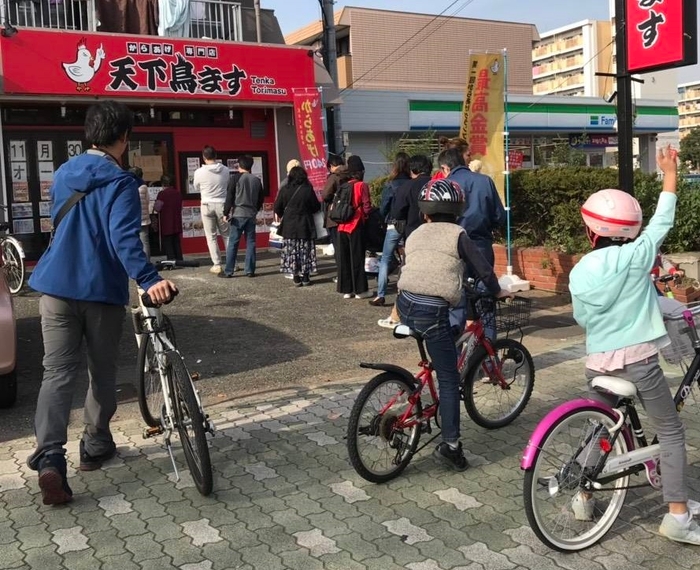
680,350
510,314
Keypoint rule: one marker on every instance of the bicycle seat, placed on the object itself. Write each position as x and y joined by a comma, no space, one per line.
402,331
614,385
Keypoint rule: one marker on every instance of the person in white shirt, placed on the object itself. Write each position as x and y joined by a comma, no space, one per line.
211,181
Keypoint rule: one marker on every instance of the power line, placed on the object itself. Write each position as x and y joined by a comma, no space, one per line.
386,62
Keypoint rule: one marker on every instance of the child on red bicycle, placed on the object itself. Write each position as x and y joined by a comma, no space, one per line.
431,281
614,300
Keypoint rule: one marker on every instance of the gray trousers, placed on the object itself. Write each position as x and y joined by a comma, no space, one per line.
212,220
64,325
655,395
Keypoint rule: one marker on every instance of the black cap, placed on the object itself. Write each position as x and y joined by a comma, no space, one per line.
355,164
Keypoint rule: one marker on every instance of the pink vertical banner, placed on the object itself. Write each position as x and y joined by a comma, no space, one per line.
309,123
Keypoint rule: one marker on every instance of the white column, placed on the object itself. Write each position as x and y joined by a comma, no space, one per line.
647,152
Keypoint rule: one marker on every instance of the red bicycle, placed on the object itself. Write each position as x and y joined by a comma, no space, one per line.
394,408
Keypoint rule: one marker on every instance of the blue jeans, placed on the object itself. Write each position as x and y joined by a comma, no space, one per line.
391,242
240,226
434,324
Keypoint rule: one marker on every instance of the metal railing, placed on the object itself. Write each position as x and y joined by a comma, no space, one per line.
209,19
57,14
216,20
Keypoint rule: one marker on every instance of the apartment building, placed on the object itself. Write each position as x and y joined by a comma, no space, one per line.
688,107
565,60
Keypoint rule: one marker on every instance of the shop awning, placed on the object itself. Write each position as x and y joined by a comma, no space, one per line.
331,94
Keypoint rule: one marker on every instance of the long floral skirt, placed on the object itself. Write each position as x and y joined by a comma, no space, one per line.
298,256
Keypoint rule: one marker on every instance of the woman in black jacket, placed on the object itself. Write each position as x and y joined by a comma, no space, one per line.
296,205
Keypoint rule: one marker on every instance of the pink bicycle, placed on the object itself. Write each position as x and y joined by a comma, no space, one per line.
584,446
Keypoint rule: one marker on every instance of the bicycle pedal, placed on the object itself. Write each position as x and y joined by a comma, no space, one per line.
152,432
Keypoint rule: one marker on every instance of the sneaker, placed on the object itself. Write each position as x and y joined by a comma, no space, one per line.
92,462
288,276
583,507
672,529
388,323
250,274
348,296
215,269
225,275
305,280
52,480
297,280
335,279
363,296
453,457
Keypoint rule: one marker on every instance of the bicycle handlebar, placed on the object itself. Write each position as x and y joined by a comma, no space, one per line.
147,302
172,263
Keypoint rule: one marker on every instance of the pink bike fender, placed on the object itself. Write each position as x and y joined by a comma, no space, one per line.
535,442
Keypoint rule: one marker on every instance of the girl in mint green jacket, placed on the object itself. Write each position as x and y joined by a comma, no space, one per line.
615,302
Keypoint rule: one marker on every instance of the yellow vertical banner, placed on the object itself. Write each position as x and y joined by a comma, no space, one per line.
483,115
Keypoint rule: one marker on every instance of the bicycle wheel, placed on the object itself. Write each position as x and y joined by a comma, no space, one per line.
560,469
150,388
379,451
489,403
190,423
14,266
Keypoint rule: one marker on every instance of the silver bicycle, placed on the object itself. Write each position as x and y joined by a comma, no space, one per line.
11,258
168,400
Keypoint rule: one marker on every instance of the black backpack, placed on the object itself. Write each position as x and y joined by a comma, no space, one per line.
341,209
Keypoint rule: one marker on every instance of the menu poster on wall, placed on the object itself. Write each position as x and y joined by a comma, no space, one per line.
44,209
258,168
23,226
192,225
45,190
193,163
20,192
46,225
22,211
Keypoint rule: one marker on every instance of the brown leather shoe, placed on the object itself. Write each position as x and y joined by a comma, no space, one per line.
377,302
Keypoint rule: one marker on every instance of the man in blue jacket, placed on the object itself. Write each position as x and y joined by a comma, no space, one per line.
84,280
483,214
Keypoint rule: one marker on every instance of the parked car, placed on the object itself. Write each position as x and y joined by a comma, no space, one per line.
8,345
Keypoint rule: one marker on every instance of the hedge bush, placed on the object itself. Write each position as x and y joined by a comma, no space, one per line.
546,205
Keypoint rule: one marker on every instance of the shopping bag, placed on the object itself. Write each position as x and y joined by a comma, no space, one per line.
276,240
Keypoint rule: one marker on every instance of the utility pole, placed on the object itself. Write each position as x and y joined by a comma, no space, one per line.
625,110
334,133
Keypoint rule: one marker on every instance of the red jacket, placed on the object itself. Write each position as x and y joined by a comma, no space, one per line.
361,202
169,206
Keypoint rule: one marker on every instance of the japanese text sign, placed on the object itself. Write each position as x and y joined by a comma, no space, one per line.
46,62
661,34
312,153
483,117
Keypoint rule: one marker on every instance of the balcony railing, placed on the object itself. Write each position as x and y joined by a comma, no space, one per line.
216,20
57,14
210,19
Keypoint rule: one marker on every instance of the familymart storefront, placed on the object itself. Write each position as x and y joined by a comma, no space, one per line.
537,125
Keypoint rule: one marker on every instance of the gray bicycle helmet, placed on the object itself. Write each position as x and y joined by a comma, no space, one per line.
441,197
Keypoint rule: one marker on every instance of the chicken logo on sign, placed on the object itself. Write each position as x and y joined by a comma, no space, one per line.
85,66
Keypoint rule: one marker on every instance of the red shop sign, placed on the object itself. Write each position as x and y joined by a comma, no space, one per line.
307,111
45,62
661,34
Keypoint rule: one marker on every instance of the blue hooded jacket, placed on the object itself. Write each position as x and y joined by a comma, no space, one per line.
96,248
484,212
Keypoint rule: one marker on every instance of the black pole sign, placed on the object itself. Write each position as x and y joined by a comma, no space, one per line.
625,113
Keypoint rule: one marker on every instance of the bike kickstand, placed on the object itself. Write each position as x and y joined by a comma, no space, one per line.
169,447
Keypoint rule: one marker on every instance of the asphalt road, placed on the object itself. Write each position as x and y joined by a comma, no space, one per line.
258,335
